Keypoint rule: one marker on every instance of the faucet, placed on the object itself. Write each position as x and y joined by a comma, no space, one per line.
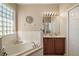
3,53
2,50
34,45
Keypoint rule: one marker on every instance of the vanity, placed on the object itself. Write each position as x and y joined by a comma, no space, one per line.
53,45
53,41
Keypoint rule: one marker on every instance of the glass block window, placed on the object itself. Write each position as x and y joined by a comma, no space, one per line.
7,20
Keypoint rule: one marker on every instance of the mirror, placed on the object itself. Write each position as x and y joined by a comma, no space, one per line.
51,25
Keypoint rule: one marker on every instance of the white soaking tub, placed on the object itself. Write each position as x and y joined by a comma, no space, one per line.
12,48
21,49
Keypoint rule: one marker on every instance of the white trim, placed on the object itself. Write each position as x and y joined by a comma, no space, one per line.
25,52
76,5
72,7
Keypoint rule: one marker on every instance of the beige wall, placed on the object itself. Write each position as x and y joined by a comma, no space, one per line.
34,10
65,6
63,17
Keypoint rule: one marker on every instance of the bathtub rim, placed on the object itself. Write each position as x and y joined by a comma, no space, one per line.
26,52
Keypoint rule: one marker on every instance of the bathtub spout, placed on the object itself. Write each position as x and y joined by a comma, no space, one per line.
33,45
5,54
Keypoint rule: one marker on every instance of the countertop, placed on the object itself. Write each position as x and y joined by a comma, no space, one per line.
53,36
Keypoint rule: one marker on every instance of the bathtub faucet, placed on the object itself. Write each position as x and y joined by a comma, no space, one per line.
3,53
34,45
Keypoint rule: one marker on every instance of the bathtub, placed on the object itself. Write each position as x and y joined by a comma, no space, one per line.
22,49
25,47
27,52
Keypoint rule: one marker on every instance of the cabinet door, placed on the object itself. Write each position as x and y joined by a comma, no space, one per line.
49,46
59,45
45,46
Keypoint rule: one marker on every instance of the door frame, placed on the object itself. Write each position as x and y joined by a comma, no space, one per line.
68,22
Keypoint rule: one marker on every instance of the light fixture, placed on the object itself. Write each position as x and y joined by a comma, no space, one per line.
48,13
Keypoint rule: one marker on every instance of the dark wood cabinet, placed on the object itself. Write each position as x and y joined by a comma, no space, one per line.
54,46
59,45
48,46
